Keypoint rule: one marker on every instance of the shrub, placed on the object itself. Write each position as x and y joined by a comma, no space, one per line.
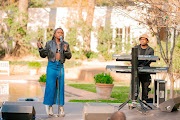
105,40
34,64
2,52
91,54
103,78
42,78
78,55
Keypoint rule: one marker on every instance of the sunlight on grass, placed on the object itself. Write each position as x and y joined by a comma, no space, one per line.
120,93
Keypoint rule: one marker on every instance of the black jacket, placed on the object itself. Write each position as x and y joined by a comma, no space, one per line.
50,51
149,51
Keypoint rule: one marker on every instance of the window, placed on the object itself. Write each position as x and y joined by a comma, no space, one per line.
127,34
119,33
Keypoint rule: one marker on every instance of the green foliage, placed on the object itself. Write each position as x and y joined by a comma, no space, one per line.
78,54
88,54
68,64
16,28
42,78
34,64
76,29
74,42
38,3
2,52
103,78
118,43
34,51
114,2
18,62
176,56
37,36
105,41
71,38
91,54
43,63
127,45
50,33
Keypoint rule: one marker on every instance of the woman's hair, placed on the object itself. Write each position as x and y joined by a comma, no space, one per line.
55,32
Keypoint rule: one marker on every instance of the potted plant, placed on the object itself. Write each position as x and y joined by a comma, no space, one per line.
35,67
42,82
104,85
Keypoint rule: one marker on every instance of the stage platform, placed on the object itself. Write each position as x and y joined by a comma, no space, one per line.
74,111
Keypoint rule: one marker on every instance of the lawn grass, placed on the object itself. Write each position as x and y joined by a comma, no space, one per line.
119,93
72,63
88,87
97,101
68,64
43,63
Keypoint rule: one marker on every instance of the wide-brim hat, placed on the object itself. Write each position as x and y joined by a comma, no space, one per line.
144,36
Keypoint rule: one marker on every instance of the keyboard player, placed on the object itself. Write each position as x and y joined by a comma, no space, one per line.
144,79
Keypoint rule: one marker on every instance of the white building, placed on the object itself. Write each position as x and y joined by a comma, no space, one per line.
122,21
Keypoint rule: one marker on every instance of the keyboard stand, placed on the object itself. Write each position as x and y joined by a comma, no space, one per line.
131,107
135,83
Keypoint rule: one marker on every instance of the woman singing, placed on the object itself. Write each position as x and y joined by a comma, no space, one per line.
52,50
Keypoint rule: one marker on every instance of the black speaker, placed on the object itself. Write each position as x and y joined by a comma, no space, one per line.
170,105
17,112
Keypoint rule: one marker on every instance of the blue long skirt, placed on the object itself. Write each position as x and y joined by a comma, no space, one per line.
51,95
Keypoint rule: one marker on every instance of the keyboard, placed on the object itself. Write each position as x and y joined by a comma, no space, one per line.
140,57
127,69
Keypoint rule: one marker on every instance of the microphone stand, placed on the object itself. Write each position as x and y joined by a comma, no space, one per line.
59,82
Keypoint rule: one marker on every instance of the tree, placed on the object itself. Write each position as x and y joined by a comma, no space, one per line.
89,20
22,17
4,3
14,26
85,29
163,18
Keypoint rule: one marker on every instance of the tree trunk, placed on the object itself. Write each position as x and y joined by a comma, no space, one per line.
89,20
80,10
23,6
171,85
170,65
8,49
20,48
58,3
23,9
170,73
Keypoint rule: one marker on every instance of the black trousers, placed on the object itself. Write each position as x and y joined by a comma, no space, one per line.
145,80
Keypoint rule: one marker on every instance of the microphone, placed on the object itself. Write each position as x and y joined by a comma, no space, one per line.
61,39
